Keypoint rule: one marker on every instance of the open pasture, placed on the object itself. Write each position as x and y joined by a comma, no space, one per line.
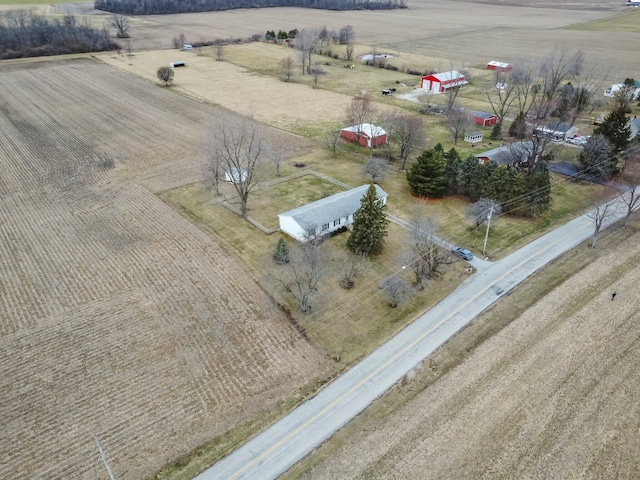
118,317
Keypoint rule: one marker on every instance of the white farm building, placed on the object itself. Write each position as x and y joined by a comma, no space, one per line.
325,215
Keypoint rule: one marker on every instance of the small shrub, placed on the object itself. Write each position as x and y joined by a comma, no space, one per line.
340,230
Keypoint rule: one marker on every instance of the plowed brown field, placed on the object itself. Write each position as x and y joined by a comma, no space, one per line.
117,316
556,394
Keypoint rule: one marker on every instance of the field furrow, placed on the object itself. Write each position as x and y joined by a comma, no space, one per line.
117,316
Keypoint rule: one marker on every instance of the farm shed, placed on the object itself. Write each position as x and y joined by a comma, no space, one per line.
233,175
518,152
367,134
441,82
500,66
325,215
180,63
484,118
473,137
557,131
611,91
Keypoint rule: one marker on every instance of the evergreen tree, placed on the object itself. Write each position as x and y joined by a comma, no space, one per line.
597,158
370,225
496,132
428,176
453,171
537,187
615,129
468,171
518,128
281,253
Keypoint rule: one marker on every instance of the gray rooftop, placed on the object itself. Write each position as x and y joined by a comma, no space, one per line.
509,154
330,208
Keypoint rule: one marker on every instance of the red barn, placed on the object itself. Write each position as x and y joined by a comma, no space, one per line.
503,67
483,118
441,82
367,135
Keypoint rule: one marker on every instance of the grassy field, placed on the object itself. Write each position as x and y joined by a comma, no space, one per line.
543,384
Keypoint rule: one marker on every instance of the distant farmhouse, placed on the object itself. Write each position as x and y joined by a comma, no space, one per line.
510,155
367,134
442,82
557,131
500,66
325,215
611,91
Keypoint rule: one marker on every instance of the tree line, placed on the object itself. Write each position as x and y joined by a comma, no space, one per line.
518,191
156,7
25,34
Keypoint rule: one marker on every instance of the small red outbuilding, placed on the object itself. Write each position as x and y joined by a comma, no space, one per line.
367,135
483,118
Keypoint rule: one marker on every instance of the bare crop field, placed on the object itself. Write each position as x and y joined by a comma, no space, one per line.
552,395
118,317
451,30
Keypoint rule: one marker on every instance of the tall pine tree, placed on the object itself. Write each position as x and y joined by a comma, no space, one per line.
615,128
428,176
370,225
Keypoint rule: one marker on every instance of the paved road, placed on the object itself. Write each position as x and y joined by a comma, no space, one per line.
283,444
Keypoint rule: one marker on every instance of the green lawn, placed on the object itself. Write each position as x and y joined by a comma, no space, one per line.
625,22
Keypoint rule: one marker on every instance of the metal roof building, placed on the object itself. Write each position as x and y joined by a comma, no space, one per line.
325,215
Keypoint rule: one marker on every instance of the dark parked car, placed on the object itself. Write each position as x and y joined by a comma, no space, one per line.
463,253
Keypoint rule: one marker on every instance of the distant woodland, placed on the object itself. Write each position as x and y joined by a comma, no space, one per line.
155,7
24,34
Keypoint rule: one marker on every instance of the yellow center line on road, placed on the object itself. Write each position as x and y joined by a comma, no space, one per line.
394,358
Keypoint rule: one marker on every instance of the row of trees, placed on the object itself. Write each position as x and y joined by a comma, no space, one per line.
25,34
519,192
157,7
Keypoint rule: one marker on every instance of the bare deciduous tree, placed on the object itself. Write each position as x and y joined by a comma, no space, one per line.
457,121
165,74
316,72
395,290
427,255
376,167
218,48
360,111
478,212
333,141
212,166
239,151
306,43
302,274
631,177
129,48
407,132
287,64
352,266
501,94
603,207
277,151
121,25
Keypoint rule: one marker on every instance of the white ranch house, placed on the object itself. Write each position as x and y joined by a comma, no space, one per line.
325,215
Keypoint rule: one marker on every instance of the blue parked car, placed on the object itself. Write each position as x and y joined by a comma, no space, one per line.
463,253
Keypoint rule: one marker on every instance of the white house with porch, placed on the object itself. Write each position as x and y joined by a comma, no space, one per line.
325,215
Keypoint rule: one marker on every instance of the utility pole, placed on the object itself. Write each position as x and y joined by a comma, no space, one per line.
104,457
486,236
